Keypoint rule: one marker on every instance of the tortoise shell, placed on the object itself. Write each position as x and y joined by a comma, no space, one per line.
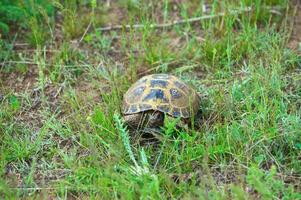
161,92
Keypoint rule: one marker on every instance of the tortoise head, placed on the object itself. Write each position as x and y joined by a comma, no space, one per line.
155,119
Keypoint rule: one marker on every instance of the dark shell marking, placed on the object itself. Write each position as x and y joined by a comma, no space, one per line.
160,83
155,94
176,112
133,108
175,93
161,92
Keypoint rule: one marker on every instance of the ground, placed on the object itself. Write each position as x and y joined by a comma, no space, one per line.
62,80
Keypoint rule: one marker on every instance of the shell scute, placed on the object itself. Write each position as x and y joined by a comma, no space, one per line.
144,107
156,94
163,108
159,83
182,86
139,90
160,76
175,93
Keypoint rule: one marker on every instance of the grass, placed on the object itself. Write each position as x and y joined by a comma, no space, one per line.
62,82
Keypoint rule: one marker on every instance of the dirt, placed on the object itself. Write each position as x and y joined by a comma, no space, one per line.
19,82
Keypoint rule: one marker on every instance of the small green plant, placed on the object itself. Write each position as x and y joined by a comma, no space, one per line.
125,138
141,171
18,12
268,185
74,24
6,51
10,12
137,169
100,41
14,103
67,64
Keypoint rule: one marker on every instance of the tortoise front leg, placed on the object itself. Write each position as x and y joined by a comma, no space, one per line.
133,120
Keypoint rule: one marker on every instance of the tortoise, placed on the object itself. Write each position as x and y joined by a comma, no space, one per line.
155,96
